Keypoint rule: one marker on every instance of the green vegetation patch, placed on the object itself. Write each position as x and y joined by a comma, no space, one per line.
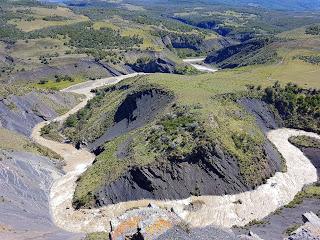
59,83
310,59
186,70
176,134
309,192
83,35
51,131
300,108
313,30
97,236
305,142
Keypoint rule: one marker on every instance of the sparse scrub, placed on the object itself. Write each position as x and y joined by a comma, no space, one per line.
291,229
309,59
186,70
312,191
305,142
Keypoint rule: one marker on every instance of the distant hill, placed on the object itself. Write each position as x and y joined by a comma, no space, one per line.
293,5
300,5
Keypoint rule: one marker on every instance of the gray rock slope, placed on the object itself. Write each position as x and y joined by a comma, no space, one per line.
22,113
276,224
180,179
135,111
85,67
25,180
265,118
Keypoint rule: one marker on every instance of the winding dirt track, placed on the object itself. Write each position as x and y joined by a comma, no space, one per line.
222,211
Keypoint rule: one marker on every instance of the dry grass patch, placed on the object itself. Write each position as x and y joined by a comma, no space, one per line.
40,13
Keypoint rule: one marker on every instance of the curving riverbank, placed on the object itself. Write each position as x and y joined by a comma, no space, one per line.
198,63
225,211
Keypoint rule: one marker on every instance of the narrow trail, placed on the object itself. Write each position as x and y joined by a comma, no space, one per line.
224,211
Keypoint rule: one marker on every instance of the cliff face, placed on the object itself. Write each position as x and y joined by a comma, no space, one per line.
207,171
250,52
265,118
154,65
135,111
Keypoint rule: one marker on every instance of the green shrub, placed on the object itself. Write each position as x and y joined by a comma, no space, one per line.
313,30
186,70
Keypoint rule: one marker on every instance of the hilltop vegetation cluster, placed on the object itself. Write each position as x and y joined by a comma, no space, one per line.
310,59
313,30
300,108
83,36
251,52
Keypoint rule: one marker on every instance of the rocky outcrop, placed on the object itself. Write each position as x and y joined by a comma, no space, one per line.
25,181
153,65
310,230
135,111
85,67
208,233
22,113
181,40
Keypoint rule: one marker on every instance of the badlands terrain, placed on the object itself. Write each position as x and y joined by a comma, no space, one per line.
159,120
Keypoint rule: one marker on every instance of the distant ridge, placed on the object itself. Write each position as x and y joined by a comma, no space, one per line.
292,5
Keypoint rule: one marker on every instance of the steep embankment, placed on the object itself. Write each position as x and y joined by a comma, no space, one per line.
153,64
266,119
85,67
22,113
178,179
136,110
251,52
